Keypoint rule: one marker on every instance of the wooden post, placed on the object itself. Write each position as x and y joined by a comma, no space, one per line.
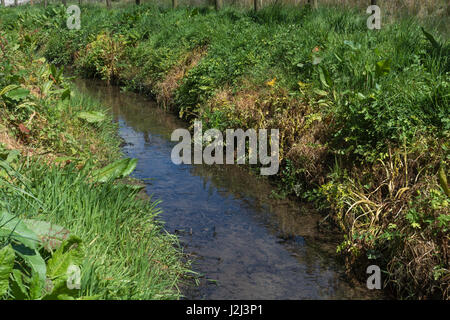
373,2
2,4
64,2
219,4
313,3
15,3
138,2
257,4
174,4
45,3
108,4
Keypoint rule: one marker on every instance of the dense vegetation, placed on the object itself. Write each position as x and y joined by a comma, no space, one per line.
363,114
71,225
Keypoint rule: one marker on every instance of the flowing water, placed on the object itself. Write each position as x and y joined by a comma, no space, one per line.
243,243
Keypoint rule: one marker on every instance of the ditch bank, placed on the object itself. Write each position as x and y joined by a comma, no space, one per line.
363,115
242,243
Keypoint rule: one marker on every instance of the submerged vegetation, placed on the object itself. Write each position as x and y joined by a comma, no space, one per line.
363,114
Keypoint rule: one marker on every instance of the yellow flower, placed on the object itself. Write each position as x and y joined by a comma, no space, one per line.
302,84
271,83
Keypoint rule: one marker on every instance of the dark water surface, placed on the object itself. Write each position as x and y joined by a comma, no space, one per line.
245,244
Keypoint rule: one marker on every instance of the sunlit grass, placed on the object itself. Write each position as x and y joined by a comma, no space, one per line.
129,255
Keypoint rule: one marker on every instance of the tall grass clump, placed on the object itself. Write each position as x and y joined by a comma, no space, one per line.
128,256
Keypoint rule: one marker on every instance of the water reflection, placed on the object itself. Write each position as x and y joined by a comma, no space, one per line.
252,246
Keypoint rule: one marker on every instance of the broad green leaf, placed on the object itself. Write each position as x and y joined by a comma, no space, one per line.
9,155
8,88
69,254
18,289
14,227
320,92
118,169
17,94
36,286
50,235
91,116
129,168
383,67
33,259
6,267
13,155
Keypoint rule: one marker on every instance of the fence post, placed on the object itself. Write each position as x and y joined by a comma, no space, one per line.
314,3
257,4
373,2
108,3
15,3
64,2
2,4
219,4
174,4
138,2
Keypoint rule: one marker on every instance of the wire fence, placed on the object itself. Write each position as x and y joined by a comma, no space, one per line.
421,8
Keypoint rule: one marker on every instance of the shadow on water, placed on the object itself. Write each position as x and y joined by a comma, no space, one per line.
245,244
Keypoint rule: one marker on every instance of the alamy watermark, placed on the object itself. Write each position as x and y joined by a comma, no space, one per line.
374,20
374,280
213,153
73,277
73,21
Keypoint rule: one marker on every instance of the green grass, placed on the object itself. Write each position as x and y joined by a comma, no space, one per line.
246,49
128,255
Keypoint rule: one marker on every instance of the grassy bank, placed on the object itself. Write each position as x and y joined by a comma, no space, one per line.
59,211
363,114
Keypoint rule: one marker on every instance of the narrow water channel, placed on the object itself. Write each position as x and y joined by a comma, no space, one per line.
243,243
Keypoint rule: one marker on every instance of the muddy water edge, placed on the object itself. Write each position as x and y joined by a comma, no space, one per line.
243,243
